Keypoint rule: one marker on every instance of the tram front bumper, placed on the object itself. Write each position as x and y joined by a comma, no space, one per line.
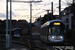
56,39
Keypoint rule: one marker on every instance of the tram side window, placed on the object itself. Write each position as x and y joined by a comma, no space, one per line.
62,30
49,30
43,31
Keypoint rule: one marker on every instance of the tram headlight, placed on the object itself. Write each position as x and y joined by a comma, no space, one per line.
61,37
52,36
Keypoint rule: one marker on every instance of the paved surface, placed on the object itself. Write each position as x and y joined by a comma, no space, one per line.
19,47
14,47
22,47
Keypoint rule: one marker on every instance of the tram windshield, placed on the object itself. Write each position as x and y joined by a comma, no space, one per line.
56,30
17,31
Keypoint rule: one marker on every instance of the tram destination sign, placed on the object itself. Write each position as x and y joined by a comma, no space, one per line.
57,23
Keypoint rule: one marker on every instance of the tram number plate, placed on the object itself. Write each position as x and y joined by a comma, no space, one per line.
56,37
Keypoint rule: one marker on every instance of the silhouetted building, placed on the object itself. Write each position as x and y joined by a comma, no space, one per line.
68,17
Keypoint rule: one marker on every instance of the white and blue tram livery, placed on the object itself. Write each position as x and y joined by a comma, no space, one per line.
52,31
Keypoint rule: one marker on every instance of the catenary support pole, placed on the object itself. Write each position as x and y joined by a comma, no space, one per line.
47,14
7,40
31,19
10,43
52,10
59,9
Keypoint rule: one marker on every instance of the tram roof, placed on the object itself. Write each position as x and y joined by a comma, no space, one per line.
16,28
48,22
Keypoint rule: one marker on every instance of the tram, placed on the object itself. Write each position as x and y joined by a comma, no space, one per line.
52,31
17,32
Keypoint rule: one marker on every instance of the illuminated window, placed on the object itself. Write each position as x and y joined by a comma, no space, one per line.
64,13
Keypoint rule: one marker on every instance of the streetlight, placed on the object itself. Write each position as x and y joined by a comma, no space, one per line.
30,15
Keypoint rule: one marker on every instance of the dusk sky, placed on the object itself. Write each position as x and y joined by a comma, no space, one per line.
22,10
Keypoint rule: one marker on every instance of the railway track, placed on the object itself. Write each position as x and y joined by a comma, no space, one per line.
32,44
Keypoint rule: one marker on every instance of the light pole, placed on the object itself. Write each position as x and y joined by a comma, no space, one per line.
10,42
8,36
59,9
73,1
31,19
47,14
52,10
7,40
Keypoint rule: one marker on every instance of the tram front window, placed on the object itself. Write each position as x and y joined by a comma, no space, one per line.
56,30
17,31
